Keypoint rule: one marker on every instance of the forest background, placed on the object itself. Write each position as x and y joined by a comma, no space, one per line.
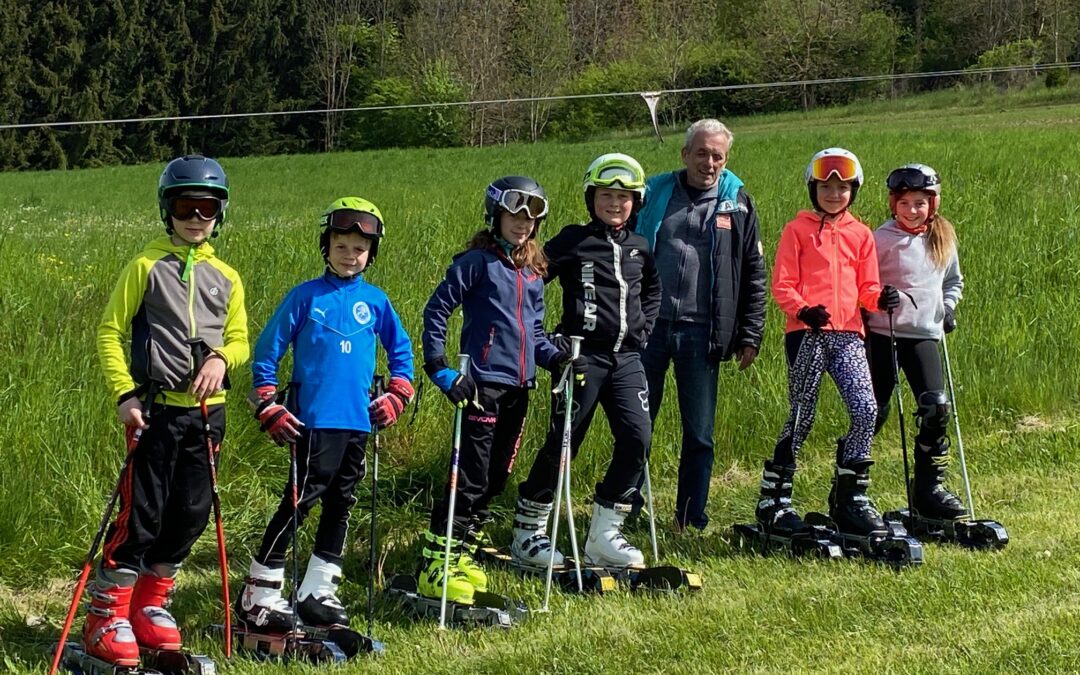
65,60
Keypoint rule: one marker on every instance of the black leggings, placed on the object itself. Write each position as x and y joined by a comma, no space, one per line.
920,361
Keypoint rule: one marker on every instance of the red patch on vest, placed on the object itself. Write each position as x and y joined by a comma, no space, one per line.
723,221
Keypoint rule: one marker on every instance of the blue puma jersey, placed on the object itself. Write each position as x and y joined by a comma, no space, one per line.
332,324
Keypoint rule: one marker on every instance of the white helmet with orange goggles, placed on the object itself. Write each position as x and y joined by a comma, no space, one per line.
352,214
914,178
834,162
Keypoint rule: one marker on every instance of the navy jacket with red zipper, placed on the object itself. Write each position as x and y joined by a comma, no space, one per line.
610,286
503,332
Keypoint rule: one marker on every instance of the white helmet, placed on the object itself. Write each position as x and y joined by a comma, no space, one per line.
834,161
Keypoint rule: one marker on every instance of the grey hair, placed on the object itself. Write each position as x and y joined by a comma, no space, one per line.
708,126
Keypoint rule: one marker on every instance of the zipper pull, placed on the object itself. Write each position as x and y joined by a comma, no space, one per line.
189,264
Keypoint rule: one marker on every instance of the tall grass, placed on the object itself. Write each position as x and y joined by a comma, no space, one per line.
1012,187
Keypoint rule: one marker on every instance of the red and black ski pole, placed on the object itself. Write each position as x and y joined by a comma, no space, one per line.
213,452
132,442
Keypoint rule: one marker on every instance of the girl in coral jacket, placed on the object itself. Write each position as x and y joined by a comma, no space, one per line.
826,270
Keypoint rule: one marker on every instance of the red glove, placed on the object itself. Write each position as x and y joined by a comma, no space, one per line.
386,409
274,418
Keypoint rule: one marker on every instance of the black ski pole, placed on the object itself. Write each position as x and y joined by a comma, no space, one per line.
377,389
900,414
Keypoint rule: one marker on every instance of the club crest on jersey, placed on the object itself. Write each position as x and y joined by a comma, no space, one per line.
362,313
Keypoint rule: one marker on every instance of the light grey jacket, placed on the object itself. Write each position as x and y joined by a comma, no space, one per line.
904,262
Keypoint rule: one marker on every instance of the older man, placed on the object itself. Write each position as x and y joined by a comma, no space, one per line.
704,233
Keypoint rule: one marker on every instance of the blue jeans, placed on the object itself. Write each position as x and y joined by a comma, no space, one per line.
687,346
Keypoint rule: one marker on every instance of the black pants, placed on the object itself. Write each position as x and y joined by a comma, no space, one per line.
165,494
489,444
617,383
329,464
921,363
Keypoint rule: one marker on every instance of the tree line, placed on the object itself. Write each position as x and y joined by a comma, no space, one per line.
63,60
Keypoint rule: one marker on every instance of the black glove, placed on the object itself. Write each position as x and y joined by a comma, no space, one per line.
579,367
561,342
889,299
816,317
950,320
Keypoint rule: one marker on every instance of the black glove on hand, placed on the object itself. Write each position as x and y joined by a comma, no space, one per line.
578,367
816,317
889,299
949,324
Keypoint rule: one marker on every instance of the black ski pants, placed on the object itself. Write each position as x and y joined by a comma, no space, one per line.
617,383
490,439
165,494
920,361
329,464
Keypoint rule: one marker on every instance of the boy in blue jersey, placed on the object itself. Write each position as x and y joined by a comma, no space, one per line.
332,324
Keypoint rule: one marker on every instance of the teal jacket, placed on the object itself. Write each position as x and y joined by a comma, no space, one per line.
737,273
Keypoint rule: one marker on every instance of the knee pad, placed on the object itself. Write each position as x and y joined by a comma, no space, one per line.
933,410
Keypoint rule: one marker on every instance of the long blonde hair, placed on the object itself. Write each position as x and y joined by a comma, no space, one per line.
528,254
941,240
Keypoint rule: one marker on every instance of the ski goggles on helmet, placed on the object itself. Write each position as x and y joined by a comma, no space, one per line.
912,178
513,201
185,207
845,168
618,177
346,220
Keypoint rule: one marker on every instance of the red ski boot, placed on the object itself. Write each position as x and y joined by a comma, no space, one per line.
152,624
107,633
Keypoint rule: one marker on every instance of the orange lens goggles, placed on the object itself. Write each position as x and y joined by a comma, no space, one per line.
824,167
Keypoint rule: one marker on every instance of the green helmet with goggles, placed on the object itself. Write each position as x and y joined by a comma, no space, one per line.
190,186
618,172
352,214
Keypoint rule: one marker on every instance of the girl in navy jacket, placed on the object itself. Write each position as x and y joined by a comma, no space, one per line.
499,283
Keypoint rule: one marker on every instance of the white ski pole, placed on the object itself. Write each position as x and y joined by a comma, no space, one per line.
956,422
652,514
565,386
455,456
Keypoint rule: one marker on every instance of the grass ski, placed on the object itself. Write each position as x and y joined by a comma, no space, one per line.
488,609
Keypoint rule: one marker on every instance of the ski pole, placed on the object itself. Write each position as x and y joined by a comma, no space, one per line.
295,534
92,553
900,413
565,386
652,516
376,392
132,443
956,422
455,456
198,359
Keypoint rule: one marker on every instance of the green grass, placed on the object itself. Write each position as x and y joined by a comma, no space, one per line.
1012,187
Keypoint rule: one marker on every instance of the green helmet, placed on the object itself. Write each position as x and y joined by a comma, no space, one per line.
192,173
617,171
352,214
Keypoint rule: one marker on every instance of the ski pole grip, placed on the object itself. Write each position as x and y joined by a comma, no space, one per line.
197,356
378,386
575,345
463,363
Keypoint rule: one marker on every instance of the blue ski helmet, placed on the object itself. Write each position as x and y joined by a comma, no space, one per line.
192,173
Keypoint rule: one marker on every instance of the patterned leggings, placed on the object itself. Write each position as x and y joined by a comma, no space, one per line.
842,354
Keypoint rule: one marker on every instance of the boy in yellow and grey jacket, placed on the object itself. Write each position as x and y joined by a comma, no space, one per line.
183,310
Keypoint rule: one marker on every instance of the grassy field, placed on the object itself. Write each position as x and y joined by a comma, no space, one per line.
1012,187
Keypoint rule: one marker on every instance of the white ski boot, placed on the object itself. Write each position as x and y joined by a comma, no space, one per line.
606,546
317,601
532,546
260,605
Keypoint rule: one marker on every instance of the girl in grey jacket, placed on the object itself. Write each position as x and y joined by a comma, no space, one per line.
917,254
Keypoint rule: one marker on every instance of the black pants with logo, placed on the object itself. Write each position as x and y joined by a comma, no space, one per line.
489,444
165,494
617,383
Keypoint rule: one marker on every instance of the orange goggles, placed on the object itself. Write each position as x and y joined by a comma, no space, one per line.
843,167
